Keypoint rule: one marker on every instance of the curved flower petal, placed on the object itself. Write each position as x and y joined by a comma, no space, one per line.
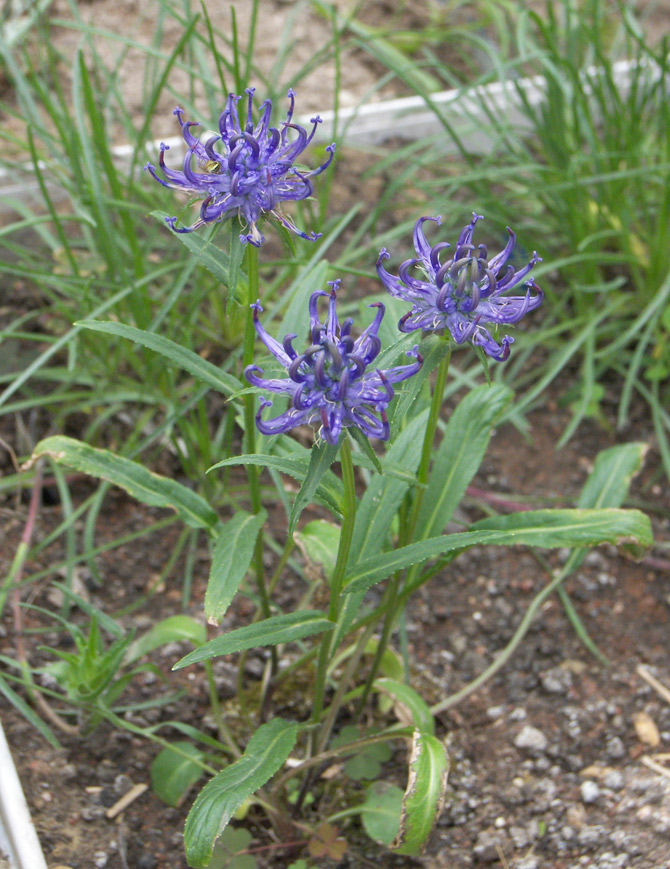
250,174
464,293
329,383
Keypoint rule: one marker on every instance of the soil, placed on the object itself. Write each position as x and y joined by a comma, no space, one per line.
548,757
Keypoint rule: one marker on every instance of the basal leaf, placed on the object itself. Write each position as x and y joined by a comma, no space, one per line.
424,796
142,484
277,629
319,541
216,803
381,811
173,774
610,479
232,555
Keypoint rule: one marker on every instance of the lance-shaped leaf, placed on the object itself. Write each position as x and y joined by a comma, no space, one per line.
321,459
463,446
142,484
277,629
232,555
548,529
174,771
217,802
608,484
424,796
610,479
200,368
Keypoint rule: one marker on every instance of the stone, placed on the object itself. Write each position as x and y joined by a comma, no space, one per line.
589,791
531,739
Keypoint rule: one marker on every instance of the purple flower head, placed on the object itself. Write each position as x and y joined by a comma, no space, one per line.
465,293
245,170
329,383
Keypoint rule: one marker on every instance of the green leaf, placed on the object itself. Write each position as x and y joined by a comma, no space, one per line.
232,555
424,796
211,257
416,707
366,765
323,456
200,368
172,774
142,484
329,488
630,530
170,630
368,453
381,811
319,541
613,470
463,446
548,529
384,494
216,803
277,629
227,850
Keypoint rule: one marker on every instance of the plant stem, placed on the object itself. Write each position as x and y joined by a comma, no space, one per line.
342,685
429,442
346,534
406,536
250,424
224,733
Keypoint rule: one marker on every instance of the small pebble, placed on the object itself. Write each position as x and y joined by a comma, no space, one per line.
589,791
614,780
528,863
531,739
615,748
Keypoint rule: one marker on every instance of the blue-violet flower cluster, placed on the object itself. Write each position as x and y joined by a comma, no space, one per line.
245,170
329,383
465,293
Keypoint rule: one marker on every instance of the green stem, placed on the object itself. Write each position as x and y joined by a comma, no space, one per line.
343,683
391,596
429,441
346,534
253,471
224,733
